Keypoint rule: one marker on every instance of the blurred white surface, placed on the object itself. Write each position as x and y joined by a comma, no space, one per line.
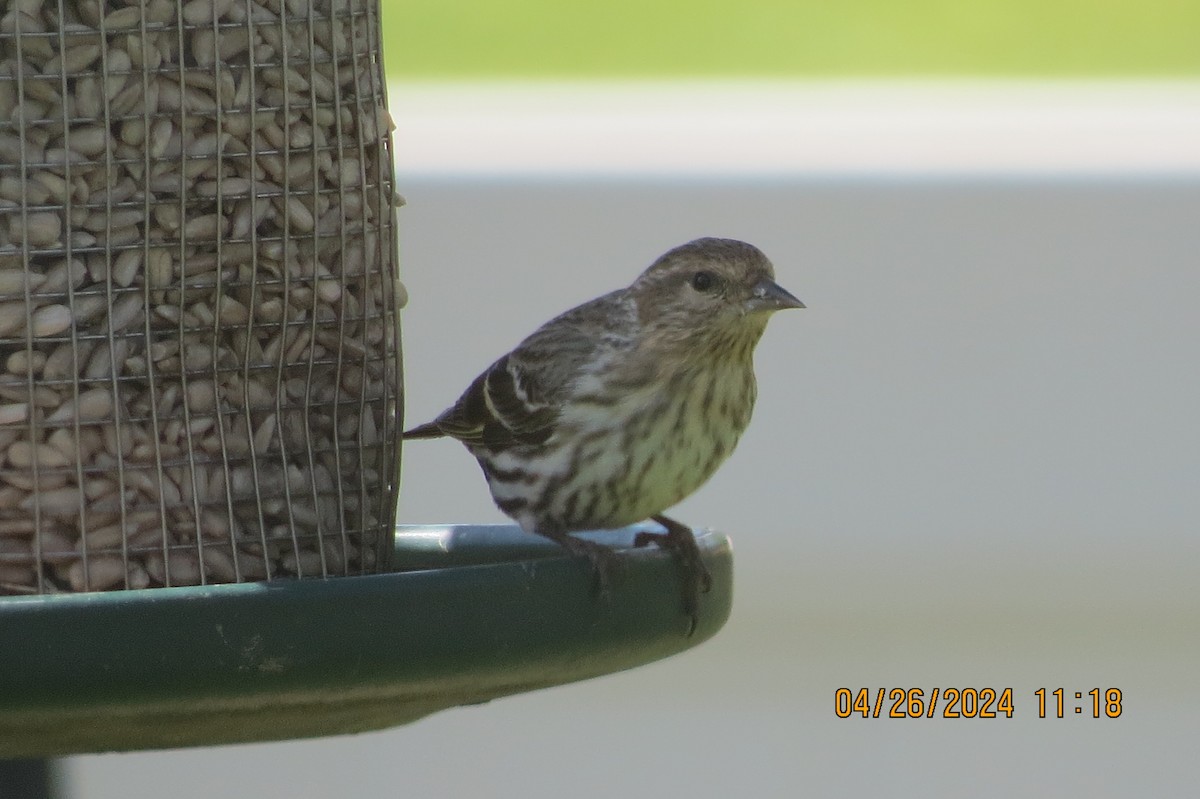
739,128
975,463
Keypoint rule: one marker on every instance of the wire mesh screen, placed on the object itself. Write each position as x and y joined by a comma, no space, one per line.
198,297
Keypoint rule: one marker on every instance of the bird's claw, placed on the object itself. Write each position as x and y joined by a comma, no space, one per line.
604,561
678,540
646,538
697,580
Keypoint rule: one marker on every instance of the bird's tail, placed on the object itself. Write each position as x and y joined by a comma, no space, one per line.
429,430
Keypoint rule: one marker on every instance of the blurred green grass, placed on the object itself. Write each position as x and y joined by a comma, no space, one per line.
790,38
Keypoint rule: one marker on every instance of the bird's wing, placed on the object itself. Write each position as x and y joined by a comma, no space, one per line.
518,399
495,412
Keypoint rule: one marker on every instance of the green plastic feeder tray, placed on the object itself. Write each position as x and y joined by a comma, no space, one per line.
477,612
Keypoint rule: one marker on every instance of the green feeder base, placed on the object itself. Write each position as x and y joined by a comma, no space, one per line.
479,612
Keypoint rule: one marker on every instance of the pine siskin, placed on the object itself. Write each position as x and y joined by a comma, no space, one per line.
619,408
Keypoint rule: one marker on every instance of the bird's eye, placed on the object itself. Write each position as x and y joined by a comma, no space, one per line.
704,281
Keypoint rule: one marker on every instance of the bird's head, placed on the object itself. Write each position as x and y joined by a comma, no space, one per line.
707,290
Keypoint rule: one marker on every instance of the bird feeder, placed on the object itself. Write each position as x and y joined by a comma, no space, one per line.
198,295
200,394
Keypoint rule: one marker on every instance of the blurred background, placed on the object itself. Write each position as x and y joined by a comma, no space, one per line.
975,462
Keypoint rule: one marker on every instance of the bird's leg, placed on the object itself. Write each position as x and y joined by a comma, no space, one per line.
678,539
602,558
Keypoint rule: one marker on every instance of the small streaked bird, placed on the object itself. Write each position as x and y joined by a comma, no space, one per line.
619,408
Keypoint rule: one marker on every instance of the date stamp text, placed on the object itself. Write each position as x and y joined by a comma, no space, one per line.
973,703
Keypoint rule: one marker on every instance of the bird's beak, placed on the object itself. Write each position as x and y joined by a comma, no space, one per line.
770,296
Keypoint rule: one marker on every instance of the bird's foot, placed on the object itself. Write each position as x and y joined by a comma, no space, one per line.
697,580
604,560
